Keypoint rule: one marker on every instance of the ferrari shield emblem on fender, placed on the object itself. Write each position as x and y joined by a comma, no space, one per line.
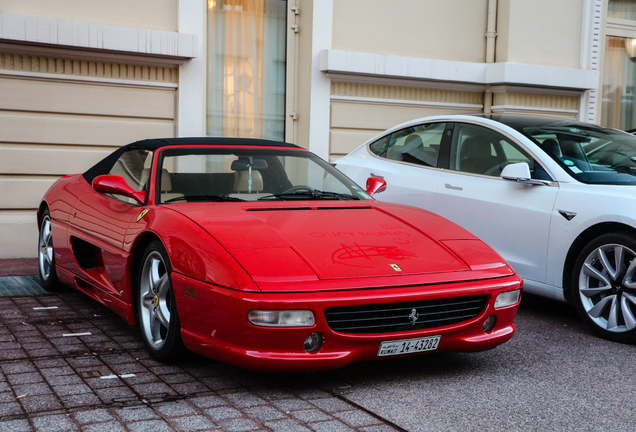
142,214
395,267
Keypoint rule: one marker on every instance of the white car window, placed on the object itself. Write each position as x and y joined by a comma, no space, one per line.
478,150
590,154
417,144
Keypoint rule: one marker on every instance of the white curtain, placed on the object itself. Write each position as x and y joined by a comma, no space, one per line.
246,68
619,81
623,9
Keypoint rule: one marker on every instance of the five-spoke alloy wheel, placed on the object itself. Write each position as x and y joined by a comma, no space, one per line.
157,311
46,254
604,286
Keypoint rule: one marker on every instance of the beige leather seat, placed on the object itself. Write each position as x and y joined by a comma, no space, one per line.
241,185
166,185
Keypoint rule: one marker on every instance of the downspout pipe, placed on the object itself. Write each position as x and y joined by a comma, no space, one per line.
491,36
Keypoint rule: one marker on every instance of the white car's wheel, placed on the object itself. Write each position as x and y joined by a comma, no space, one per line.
157,310
604,286
46,255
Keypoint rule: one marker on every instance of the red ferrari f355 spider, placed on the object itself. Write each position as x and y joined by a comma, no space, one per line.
260,254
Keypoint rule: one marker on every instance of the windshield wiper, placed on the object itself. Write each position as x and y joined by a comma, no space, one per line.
312,195
215,198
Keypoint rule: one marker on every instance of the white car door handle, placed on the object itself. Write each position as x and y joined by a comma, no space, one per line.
448,186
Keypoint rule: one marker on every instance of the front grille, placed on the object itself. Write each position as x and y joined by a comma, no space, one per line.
394,317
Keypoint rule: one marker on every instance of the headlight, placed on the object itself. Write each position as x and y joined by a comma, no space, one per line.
507,299
281,318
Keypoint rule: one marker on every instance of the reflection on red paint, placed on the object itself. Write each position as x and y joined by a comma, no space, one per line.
346,254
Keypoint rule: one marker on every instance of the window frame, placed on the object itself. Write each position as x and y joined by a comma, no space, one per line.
277,153
146,186
442,155
513,141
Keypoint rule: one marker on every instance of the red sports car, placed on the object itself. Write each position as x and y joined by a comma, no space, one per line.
260,254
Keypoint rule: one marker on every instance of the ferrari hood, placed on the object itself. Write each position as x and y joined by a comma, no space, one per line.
284,242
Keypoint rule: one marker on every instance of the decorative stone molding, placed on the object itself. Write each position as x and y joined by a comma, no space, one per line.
535,102
591,49
84,68
401,93
58,38
415,69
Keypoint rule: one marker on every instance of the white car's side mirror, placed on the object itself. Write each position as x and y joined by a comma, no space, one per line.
520,173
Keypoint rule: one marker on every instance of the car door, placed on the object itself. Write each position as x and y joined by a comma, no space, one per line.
102,220
408,161
106,217
513,218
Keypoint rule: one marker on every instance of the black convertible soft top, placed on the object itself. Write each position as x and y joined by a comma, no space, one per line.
104,166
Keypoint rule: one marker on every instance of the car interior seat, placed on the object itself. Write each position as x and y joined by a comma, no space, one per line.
414,151
476,156
573,154
242,187
166,185
552,146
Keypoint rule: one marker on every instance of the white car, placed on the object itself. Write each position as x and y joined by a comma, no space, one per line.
555,197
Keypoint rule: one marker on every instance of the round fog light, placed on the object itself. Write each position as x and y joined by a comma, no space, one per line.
313,342
489,324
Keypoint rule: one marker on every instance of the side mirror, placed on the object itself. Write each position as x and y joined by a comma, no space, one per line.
116,185
375,185
520,173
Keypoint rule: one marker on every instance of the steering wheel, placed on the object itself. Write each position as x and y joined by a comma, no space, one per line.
299,188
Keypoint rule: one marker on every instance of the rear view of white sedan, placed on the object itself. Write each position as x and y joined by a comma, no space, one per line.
556,198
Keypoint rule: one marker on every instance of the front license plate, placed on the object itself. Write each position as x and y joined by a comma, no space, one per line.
408,346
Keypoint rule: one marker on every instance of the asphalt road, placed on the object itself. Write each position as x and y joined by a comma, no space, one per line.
554,375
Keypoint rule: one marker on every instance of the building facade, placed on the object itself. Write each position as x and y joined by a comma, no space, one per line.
79,78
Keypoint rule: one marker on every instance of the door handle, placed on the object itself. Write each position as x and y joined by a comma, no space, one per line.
448,186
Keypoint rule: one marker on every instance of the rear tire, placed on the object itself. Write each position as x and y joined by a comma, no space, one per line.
46,255
156,306
604,286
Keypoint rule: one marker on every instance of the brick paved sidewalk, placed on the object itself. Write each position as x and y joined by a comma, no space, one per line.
67,363
18,267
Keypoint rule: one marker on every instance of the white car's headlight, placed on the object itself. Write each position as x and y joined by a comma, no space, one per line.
507,299
281,318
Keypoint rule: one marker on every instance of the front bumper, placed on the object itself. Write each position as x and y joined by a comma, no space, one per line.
214,324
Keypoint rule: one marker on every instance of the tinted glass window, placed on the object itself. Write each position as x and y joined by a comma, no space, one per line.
479,150
588,153
380,146
417,144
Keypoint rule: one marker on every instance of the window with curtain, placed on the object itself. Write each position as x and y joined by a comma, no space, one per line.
619,72
623,9
246,68
619,78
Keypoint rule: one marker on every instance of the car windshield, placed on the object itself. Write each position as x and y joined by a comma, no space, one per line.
591,154
228,175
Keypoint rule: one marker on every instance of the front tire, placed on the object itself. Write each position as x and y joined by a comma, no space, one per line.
157,308
46,255
604,286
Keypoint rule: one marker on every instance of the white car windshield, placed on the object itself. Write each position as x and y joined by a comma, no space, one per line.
234,174
593,155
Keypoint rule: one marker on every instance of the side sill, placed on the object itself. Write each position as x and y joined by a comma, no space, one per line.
543,290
